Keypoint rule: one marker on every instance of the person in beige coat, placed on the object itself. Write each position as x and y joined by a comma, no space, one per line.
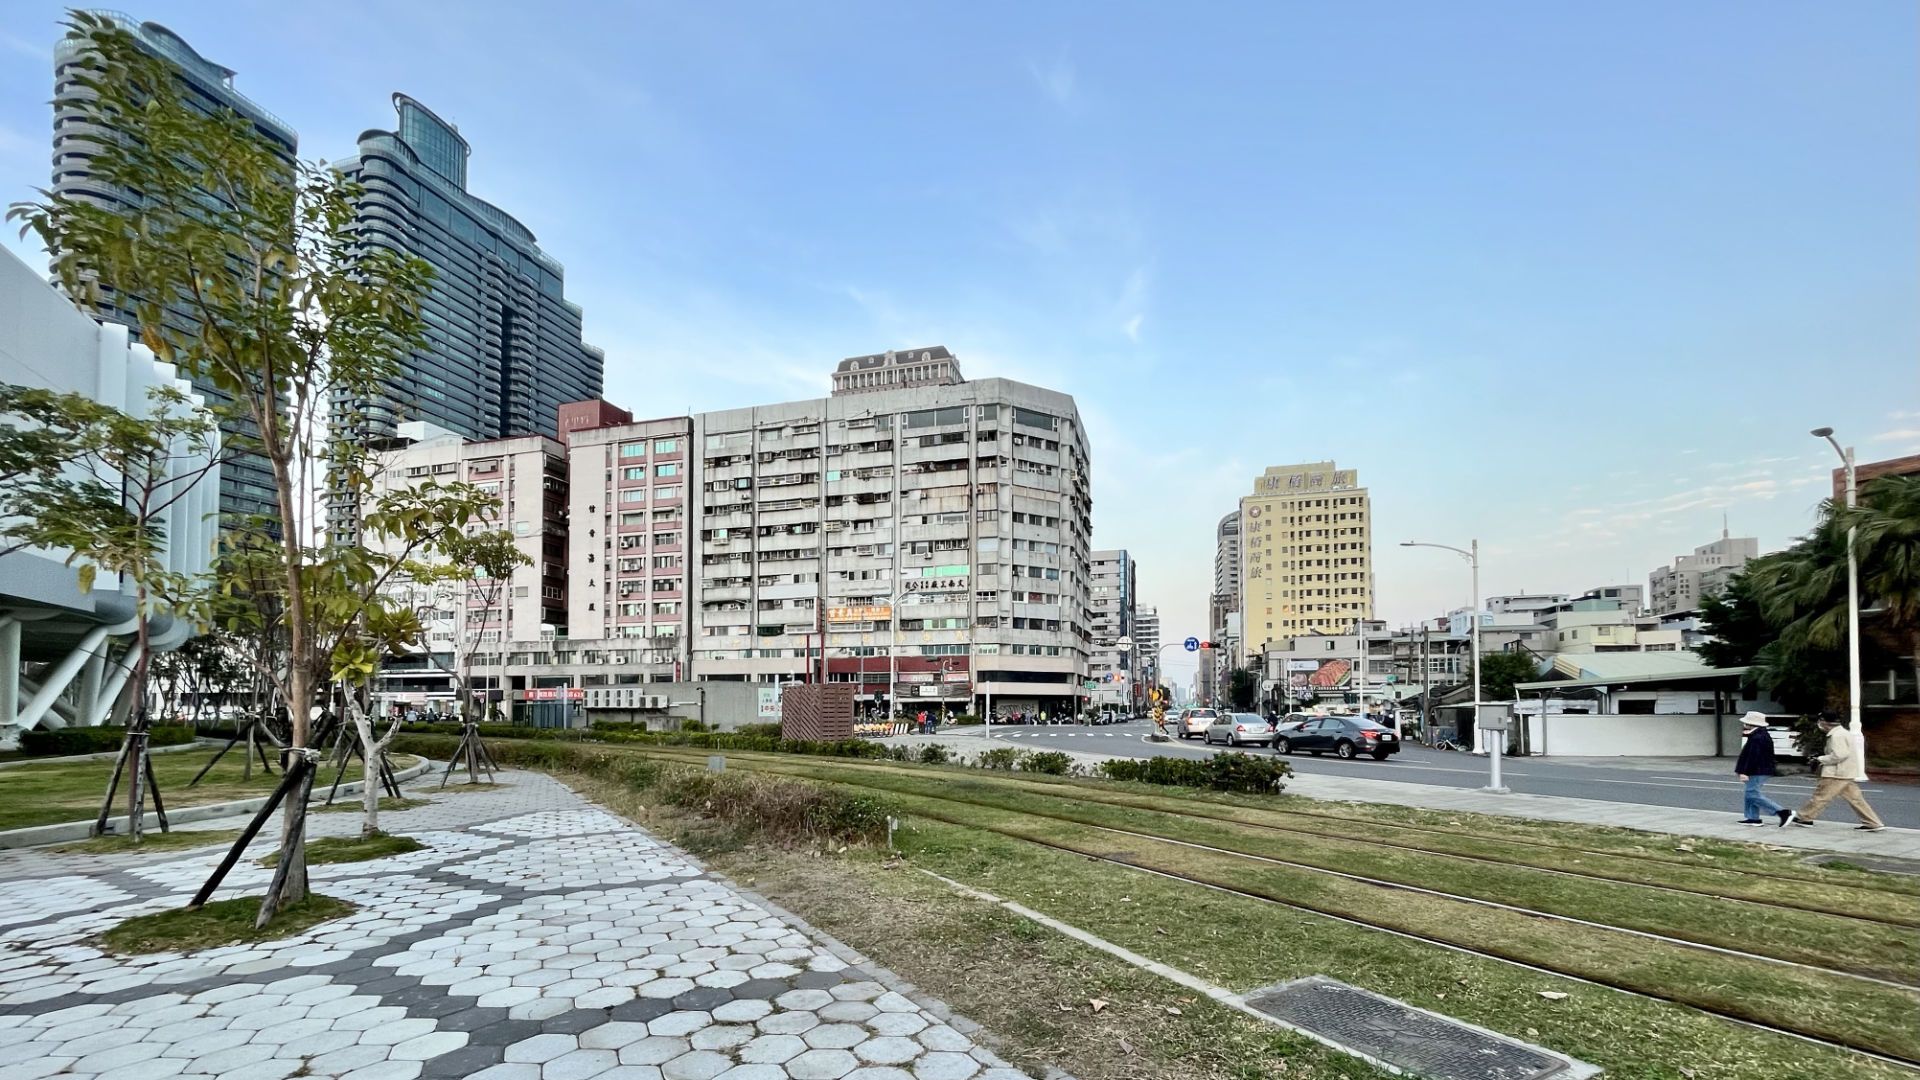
1840,767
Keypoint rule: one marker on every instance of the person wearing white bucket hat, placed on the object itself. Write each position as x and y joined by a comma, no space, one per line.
1755,767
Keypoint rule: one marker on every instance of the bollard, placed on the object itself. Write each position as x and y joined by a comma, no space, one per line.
892,824
716,763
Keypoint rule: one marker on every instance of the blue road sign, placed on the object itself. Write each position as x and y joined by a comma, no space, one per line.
1193,644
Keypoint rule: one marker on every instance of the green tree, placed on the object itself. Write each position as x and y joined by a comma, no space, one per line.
291,311
1243,688
1499,671
478,567
1887,546
1732,618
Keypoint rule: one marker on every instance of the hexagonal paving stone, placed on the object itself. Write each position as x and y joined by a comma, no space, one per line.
888,1050
653,1050
836,1036
772,1049
541,1048
696,1065
822,1065
945,1065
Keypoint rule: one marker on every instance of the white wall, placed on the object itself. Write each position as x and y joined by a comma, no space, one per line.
1612,735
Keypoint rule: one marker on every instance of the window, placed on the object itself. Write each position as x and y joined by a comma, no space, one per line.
638,472
670,468
665,446
633,495
633,450
670,492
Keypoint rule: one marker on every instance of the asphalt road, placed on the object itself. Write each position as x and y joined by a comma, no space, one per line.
1700,784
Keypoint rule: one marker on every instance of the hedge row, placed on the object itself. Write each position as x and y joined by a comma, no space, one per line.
1222,772
56,742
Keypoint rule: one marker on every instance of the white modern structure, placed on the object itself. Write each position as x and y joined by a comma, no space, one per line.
65,652
1693,578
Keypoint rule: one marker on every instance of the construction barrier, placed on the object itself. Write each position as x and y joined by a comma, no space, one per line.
883,730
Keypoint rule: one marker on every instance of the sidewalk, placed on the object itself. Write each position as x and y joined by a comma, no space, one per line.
536,937
1835,833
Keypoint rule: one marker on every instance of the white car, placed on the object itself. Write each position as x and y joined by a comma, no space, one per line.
1240,729
1194,722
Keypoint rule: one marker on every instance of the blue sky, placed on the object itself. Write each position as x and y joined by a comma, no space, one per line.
1572,279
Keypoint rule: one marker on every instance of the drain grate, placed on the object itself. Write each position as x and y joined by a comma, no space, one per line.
1409,1039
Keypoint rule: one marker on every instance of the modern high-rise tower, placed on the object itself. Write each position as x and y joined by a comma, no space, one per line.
246,482
503,348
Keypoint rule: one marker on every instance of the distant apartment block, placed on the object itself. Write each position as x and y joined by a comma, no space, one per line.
1112,594
527,475
630,486
955,514
1693,578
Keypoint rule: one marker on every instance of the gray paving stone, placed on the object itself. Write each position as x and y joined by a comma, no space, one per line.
466,1061
542,1048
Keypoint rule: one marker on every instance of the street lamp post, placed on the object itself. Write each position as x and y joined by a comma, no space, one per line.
1853,586
1472,555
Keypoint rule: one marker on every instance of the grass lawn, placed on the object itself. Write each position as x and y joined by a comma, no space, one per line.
1844,943
222,922
974,827
339,849
61,791
151,840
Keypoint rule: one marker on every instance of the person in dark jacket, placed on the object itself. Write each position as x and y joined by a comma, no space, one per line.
1756,767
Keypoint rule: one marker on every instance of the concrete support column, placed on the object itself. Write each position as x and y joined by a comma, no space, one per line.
9,670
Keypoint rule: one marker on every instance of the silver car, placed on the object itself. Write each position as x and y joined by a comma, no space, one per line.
1240,729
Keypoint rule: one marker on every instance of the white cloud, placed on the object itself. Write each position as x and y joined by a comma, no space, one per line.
1901,435
17,44
1057,80
1131,328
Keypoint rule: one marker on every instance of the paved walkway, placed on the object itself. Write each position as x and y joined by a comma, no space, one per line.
1834,832
537,937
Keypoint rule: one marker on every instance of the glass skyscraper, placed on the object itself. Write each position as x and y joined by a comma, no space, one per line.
503,348
246,481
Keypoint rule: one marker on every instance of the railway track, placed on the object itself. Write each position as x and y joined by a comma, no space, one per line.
1812,1035
1864,910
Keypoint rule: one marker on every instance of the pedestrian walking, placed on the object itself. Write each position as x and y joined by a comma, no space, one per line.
1754,768
1839,766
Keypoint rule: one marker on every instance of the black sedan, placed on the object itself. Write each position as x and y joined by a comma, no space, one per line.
1346,736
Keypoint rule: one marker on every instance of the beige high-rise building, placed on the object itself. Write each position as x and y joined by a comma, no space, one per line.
1306,551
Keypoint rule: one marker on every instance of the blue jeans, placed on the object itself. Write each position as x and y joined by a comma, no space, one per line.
1757,803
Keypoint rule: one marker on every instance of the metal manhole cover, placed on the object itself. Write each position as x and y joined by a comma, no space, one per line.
1399,1035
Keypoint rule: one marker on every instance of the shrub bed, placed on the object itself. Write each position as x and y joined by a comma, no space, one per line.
56,742
1222,772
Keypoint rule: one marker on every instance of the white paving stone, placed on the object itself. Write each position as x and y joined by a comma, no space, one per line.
534,902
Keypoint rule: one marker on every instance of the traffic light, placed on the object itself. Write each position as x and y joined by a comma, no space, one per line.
1210,645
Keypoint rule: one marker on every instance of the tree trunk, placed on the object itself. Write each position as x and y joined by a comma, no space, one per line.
290,877
301,664
369,769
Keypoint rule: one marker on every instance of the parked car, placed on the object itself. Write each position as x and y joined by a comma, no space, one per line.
1239,729
1194,721
1346,736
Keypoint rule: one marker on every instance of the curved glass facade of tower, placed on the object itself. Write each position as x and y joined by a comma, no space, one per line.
503,350
246,481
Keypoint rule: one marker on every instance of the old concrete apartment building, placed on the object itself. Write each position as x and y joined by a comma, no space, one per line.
956,513
1113,593
949,517
478,616
1693,578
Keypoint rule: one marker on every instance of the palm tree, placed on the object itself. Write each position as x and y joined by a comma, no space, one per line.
1887,541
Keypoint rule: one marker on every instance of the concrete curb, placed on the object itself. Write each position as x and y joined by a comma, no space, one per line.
1835,835
36,835
197,744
